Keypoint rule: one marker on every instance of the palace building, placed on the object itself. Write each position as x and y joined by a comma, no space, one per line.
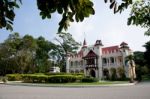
94,60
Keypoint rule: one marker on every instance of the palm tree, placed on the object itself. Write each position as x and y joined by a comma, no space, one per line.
131,65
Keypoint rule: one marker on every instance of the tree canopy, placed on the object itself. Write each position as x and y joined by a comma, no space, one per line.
76,10
29,55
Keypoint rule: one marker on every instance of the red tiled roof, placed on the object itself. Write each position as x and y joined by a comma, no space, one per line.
90,54
110,49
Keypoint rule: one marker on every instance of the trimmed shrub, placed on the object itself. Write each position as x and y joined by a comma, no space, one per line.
14,77
106,74
113,73
89,79
32,78
62,78
121,73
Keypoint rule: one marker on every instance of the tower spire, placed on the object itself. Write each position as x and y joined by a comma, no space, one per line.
84,42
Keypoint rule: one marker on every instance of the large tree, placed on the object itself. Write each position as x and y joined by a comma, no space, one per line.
67,44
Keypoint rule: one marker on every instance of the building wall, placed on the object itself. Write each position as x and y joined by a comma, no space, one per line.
113,59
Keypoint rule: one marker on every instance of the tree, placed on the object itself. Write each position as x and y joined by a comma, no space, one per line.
139,58
8,51
147,54
41,58
71,10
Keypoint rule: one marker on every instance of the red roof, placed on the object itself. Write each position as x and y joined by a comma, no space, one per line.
110,49
90,54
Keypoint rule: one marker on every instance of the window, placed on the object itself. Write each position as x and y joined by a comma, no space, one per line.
71,63
104,61
90,62
111,59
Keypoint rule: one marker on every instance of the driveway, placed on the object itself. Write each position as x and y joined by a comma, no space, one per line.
139,91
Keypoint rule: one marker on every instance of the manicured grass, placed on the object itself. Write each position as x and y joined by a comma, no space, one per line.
146,77
82,84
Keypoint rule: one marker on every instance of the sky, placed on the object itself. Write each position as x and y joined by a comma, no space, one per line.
111,28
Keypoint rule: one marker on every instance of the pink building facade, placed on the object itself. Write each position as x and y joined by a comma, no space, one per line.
92,60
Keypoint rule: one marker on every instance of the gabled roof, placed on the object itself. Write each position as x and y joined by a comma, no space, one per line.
110,49
90,54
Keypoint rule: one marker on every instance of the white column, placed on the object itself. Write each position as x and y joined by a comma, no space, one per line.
67,64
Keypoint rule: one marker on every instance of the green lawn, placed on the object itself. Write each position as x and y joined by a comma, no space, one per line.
82,84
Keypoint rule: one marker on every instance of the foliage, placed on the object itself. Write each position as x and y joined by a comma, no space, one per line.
7,13
113,74
140,14
29,55
89,79
147,54
117,6
14,77
121,73
144,70
138,73
42,78
67,44
70,10
139,58
106,74
32,78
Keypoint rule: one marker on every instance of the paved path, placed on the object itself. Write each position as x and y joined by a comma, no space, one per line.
139,91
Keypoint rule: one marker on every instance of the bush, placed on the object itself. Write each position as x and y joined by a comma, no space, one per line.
121,73
62,78
32,78
113,74
89,79
14,77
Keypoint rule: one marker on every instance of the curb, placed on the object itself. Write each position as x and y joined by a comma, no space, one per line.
66,86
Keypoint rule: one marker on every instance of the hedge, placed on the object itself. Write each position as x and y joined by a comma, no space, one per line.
62,79
42,78
32,78
89,79
14,77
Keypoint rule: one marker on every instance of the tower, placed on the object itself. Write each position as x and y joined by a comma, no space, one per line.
125,51
98,50
84,47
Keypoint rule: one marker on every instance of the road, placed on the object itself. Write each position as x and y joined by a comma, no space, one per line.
139,91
